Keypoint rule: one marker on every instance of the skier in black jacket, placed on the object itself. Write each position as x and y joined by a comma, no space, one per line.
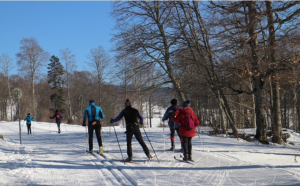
58,117
132,128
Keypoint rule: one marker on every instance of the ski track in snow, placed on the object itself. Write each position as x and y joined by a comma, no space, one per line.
48,158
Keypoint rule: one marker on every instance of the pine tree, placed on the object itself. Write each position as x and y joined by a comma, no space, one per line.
55,74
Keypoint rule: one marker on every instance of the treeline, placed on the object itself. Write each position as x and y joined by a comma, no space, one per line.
237,61
81,89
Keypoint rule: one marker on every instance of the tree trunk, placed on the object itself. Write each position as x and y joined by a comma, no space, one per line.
33,97
10,98
222,101
276,114
223,124
261,133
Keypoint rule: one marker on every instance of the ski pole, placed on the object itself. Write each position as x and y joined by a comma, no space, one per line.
119,144
174,137
32,128
102,134
200,139
86,138
65,126
151,144
164,136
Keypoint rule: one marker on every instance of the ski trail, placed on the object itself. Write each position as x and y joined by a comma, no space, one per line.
104,175
112,168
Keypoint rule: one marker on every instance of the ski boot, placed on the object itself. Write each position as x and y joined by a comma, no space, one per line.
190,157
129,159
101,150
185,157
150,157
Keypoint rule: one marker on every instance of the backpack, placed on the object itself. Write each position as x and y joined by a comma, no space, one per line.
172,116
57,116
28,119
189,122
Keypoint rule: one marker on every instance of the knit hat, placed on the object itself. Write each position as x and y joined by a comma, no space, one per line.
187,103
174,101
127,103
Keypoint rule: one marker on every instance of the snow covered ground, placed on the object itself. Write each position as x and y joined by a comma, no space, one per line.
49,158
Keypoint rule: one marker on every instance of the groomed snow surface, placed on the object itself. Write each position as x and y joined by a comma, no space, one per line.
49,158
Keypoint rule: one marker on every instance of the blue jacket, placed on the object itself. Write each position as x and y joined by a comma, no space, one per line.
92,110
28,119
167,116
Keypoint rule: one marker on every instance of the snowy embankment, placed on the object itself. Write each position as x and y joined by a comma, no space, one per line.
49,158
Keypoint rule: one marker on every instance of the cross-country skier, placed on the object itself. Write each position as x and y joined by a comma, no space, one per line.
186,134
170,114
132,128
28,120
93,113
58,117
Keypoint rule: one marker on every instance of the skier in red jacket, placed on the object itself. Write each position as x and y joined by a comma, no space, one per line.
185,133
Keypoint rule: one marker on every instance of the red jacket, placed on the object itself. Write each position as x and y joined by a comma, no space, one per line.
180,119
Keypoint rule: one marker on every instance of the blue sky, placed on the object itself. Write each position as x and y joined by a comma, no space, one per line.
56,25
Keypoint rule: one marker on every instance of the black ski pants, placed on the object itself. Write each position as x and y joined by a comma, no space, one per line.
172,136
97,128
135,130
29,128
58,124
187,145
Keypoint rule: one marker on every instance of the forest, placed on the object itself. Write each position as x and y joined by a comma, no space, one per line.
237,61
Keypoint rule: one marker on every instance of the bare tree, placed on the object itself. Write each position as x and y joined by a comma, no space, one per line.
30,59
68,60
245,27
6,66
99,61
145,29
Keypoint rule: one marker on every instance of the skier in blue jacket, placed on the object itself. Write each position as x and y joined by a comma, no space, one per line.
93,113
58,117
28,120
169,115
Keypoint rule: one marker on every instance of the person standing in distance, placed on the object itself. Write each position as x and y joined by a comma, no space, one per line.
58,117
28,120
93,113
186,114
132,128
170,114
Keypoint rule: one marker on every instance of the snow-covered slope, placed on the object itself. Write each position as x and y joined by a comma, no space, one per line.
49,158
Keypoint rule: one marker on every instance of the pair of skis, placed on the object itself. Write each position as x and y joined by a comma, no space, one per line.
185,161
136,162
102,155
97,152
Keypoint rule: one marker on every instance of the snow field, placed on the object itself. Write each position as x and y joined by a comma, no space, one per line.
49,158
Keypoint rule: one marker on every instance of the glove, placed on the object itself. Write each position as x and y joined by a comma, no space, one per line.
111,120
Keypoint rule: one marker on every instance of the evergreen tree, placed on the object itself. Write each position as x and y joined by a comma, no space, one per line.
55,74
